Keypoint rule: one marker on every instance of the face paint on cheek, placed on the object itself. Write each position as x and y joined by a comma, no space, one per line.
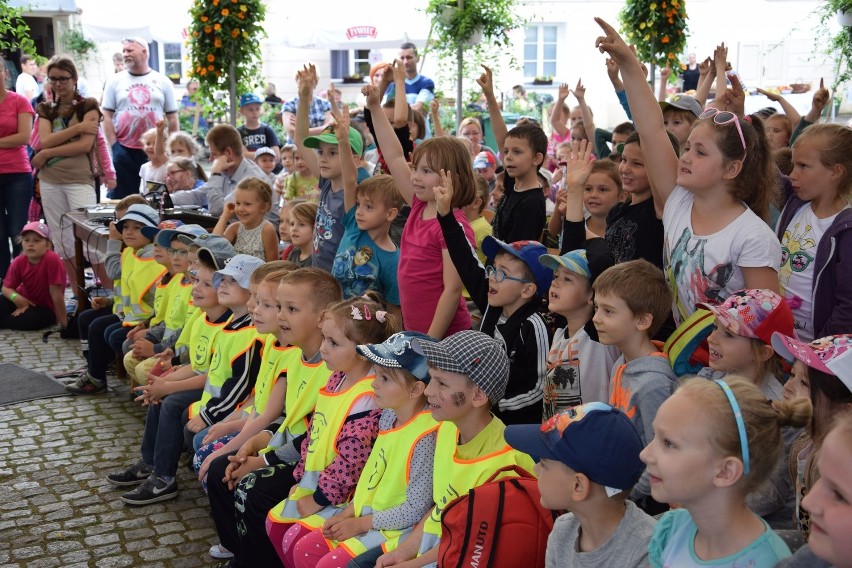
458,399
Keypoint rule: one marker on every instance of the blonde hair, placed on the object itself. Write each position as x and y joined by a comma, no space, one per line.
643,288
267,271
381,189
186,140
150,133
257,186
450,154
363,330
470,120
325,289
763,421
834,144
305,211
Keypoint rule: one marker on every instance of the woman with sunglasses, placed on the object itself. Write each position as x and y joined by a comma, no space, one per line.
67,128
714,199
16,181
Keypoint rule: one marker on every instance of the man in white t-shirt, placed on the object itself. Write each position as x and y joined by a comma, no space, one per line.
134,100
26,84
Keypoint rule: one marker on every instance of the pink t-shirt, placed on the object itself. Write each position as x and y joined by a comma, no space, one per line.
13,160
420,275
33,281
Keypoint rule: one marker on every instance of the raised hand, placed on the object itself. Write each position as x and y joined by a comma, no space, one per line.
821,97
774,97
665,73
340,116
579,165
486,80
444,193
564,89
705,66
579,91
612,69
306,78
374,97
398,70
720,57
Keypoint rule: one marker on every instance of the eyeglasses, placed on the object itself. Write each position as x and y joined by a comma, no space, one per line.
180,253
499,275
723,117
60,80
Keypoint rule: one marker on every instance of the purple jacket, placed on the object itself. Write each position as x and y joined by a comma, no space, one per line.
832,285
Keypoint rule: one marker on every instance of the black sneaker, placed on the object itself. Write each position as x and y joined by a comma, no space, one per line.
86,384
152,491
136,474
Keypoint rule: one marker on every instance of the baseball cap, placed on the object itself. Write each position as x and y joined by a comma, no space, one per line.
474,355
144,214
328,136
38,228
755,314
683,102
240,268
136,39
399,352
264,150
249,98
594,439
831,354
484,160
166,236
589,262
214,248
766,112
151,232
529,252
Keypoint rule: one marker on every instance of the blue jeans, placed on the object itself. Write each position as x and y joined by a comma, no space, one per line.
162,442
127,162
16,191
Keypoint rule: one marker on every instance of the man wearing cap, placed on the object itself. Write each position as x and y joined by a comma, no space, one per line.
133,101
255,133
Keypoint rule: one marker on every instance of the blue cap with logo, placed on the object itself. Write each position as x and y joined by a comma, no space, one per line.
249,98
399,352
528,252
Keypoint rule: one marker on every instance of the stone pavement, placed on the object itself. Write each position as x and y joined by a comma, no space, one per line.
56,507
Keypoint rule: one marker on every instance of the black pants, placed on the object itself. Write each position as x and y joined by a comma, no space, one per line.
127,162
240,515
97,349
36,317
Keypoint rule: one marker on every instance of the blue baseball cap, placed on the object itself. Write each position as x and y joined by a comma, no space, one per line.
528,252
166,236
399,352
589,262
240,267
248,99
144,214
594,439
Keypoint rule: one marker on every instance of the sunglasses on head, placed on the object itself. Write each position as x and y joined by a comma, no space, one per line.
723,117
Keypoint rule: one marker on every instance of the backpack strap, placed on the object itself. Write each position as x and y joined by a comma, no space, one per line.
499,524
521,472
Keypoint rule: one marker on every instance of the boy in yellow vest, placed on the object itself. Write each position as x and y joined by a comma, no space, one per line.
169,395
469,373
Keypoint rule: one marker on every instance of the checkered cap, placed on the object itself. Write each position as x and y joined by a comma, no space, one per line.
475,355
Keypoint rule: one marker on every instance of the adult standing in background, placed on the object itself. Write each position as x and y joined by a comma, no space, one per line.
690,74
134,100
419,90
16,182
26,83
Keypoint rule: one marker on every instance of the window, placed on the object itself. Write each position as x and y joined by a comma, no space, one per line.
349,62
540,51
173,61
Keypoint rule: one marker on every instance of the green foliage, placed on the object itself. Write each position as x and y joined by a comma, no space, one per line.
271,115
14,31
839,45
78,45
657,29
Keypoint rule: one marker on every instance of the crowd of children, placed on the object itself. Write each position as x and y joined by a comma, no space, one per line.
658,368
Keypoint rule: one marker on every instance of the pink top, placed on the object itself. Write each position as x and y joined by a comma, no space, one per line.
33,281
420,275
13,160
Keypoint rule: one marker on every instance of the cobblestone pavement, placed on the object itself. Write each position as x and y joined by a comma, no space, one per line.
56,507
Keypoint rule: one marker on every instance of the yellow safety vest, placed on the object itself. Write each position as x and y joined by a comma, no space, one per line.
304,381
161,302
329,416
138,275
117,306
386,475
185,337
179,298
274,363
202,340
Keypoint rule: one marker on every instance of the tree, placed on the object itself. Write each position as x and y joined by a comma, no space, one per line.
224,42
14,31
657,29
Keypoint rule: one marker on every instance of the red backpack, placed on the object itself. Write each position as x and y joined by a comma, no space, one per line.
499,524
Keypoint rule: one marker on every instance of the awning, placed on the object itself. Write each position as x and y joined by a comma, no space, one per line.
47,6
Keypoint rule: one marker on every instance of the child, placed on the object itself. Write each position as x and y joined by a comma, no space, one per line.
394,491
712,200
302,222
367,258
679,114
631,302
284,230
152,174
715,442
324,165
431,300
813,232
524,149
264,157
474,214
588,461
181,145
601,193
252,234
508,293
823,368
242,488
299,182
34,286
828,504
469,372
578,364
139,274
255,134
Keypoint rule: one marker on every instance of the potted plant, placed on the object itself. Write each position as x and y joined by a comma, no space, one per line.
839,44
78,44
352,79
543,80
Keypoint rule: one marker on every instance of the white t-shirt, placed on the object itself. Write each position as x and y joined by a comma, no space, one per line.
148,173
26,85
798,252
708,268
137,101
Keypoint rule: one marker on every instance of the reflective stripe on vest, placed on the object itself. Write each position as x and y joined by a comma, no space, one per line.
161,302
138,275
274,363
304,381
229,345
180,298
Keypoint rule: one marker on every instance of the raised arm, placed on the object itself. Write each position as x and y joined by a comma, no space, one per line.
819,103
665,73
720,61
498,125
706,76
389,144
648,117
612,71
789,110
579,93
160,157
437,127
347,164
306,78
557,116
400,105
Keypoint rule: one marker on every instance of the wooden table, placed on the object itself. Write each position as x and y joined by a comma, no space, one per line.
95,236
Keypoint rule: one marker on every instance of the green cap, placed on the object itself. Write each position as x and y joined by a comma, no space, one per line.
328,135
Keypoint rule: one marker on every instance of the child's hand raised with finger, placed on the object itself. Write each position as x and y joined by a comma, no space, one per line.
444,194
579,91
579,165
374,97
306,78
612,44
486,80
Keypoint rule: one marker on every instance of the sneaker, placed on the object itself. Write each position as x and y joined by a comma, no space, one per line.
219,552
152,491
86,384
136,474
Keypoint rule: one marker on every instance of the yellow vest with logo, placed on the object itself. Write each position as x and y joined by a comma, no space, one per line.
138,275
161,302
454,477
180,298
202,340
185,337
383,482
117,306
230,344
329,416
304,381
274,363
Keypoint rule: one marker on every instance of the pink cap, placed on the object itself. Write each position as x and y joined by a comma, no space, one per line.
38,228
831,355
